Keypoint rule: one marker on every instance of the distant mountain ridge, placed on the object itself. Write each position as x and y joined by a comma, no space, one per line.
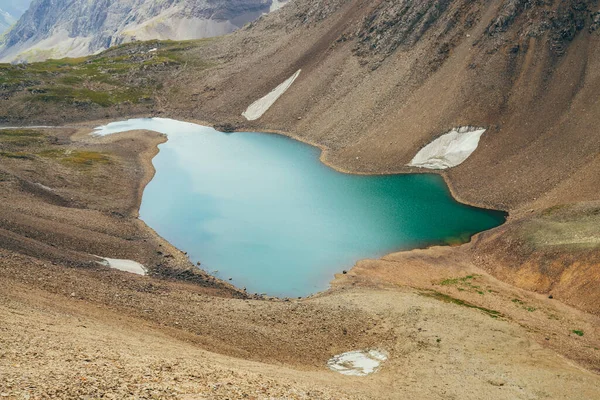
6,20
59,28
10,12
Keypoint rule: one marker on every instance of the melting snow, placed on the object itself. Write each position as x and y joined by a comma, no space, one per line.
260,106
449,150
124,265
358,362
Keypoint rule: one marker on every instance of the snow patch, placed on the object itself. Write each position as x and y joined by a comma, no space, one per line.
358,362
450,149
277,4
124,265
260,106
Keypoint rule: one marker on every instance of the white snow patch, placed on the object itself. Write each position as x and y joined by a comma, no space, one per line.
260,106
358,362
449,150
277,4
124,265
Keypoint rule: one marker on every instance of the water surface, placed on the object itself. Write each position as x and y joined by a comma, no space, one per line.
263,210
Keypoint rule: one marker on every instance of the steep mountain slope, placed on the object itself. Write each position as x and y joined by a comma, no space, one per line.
58,28
382,79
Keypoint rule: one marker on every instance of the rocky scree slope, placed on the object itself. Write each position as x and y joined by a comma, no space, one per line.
59,28
380,80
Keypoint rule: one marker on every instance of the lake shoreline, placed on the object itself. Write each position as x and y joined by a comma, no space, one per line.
375,305
395,196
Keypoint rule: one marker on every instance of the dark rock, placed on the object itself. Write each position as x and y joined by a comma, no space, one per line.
226,127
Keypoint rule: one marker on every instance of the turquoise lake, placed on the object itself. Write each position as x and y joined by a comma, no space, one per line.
263,210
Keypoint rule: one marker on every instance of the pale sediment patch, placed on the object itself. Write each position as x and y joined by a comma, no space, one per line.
260,106
124,265
449,150
358,362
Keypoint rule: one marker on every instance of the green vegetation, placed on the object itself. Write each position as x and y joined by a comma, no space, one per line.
450,299
465,284
19,137
578,332
11,154
129,73
76,157
30,143
12,142
521,303
455,281
4,133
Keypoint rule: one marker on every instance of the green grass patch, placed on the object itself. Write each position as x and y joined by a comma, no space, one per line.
456,281
18,155
521,303
19,133
23,141
577,332
129,73
76,157
449,299
10,138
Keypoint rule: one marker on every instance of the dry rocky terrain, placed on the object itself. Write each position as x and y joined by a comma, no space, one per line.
511,315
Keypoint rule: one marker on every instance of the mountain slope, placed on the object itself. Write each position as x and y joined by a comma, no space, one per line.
381,80
58,28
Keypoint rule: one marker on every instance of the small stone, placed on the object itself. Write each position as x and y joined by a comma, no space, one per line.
73,294
550,297
344,272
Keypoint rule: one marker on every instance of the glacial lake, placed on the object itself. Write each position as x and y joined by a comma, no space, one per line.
263,210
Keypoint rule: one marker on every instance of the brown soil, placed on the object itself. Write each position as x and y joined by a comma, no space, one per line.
529,73
73,328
